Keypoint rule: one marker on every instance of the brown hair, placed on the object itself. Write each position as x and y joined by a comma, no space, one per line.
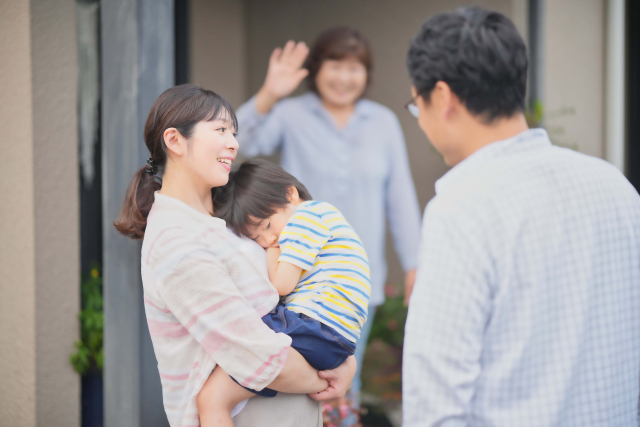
257,189
338,43
180,107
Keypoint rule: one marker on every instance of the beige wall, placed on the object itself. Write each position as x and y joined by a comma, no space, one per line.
573,73
17,242
217,42
39,214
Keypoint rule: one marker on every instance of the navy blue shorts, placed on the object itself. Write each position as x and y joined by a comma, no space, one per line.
321,345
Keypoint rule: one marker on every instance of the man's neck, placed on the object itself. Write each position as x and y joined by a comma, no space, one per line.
478,135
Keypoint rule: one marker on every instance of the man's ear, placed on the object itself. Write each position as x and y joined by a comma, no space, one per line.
443,98
174,141
294,196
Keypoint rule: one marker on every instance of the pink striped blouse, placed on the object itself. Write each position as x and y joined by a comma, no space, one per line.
204,297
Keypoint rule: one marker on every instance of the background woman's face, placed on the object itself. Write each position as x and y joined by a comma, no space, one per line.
341,82
212,149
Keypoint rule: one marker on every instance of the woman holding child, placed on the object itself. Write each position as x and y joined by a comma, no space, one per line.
347,150
205,289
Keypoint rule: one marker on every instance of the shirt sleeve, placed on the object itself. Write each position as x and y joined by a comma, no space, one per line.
449,309
403,209
259,134
198,290
303,238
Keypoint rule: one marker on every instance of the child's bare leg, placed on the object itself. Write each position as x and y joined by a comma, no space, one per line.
219,395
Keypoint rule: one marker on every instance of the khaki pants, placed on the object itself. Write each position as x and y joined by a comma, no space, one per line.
284,410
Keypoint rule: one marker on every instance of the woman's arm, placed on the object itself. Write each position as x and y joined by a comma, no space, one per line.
403,208
199,291
292,379
260,128
297,376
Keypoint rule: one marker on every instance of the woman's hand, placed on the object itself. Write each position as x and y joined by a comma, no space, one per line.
283,76
409,281
339,381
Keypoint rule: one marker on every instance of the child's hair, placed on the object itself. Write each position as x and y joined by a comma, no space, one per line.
257,189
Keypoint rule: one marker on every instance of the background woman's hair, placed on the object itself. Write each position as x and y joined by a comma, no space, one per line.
257,189
338,43
479,54
180,107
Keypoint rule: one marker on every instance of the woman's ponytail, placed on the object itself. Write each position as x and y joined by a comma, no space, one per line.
137,203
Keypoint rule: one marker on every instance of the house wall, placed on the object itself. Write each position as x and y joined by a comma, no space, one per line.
17,245
39,218
574,73
218,47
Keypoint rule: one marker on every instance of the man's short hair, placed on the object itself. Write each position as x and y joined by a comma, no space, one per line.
479,54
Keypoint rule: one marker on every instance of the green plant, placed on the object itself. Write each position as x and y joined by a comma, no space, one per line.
388,325
551,121
382,367
89,351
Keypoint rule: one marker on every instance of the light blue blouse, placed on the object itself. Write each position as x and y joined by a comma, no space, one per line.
361,169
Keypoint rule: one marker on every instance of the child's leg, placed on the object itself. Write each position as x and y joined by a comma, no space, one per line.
219,395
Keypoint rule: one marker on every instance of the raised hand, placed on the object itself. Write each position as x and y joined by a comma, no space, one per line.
284,74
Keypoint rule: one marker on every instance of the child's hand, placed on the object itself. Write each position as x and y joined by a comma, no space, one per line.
272,258
283,275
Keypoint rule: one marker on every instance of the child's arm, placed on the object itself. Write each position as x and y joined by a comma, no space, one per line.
283,276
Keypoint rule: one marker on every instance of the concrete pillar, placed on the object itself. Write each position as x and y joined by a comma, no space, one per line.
137,39
39,214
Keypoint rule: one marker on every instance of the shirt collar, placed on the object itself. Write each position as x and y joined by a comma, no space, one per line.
528,140
362,107
169,202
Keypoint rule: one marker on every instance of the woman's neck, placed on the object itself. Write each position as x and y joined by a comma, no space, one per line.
340,113
181,187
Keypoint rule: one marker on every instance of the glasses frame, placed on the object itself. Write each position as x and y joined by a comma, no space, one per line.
412,107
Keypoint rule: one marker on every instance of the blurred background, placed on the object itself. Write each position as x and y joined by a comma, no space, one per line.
77,79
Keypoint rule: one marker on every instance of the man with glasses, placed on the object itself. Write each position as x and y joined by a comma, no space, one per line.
526,307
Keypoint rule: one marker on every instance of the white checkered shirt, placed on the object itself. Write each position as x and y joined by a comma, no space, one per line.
526,307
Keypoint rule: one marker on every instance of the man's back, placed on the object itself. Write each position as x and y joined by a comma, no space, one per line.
526,309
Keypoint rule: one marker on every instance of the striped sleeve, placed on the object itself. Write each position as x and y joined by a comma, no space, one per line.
196,287
303,238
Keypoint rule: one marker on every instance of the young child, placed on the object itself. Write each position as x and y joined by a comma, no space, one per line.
315,260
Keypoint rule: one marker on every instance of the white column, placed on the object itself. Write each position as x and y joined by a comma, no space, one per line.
137,66
615,79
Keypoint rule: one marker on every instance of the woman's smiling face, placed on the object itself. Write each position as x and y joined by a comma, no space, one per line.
211,151
341,82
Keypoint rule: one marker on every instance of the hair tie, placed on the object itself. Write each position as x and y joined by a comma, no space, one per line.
151,167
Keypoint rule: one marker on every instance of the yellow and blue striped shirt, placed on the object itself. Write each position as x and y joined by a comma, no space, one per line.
334,287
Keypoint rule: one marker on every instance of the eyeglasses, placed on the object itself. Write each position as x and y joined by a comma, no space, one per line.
413,108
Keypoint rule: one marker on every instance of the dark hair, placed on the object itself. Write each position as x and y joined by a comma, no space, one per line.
338,43
180,107
257,189
479,54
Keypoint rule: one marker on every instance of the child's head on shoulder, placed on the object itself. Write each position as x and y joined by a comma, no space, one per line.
259,200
